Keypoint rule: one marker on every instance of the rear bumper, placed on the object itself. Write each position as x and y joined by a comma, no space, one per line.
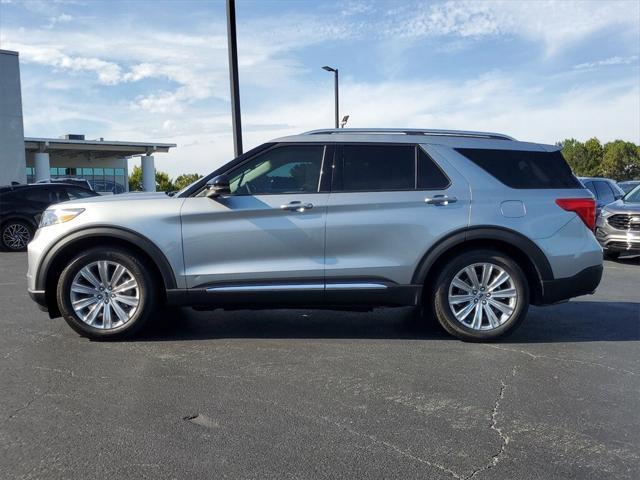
584,282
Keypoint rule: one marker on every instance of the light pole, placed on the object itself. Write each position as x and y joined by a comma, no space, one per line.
233,77
335,75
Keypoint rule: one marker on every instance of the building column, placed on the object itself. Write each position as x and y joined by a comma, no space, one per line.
41,163
148,173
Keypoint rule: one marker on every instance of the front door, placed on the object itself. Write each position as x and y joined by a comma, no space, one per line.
268,235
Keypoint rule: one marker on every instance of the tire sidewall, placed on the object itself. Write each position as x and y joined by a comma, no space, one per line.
443,311
15,222
137,269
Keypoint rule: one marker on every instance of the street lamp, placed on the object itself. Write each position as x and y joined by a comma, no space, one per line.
335,74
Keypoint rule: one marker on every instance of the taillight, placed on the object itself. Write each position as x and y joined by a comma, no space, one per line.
584,207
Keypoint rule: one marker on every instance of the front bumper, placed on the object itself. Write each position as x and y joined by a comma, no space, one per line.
584,282
615,240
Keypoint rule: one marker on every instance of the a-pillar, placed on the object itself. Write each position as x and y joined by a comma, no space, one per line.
41,162
148,174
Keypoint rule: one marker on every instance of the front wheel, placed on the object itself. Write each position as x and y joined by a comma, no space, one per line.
481,295
106,293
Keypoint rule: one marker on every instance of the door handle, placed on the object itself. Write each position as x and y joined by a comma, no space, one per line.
296,206
440,200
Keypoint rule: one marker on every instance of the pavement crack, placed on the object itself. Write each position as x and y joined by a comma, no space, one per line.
504,439
535,356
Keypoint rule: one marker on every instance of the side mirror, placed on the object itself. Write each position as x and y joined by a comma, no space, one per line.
218,186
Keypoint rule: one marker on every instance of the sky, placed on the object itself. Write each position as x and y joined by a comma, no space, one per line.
158,70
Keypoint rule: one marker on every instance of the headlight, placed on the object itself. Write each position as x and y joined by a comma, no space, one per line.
59,215
604,213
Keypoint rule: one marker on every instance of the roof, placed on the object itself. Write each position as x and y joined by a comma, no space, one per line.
99,148
450,138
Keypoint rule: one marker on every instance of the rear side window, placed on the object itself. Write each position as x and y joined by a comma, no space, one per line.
524,169
375,168
605,194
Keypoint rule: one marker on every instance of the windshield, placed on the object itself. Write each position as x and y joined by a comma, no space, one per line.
633,196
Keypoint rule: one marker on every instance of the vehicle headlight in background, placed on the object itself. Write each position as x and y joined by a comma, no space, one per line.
604,213
59,215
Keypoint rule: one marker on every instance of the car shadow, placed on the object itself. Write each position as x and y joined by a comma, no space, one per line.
576,321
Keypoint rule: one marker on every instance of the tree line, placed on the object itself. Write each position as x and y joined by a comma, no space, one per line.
164,183
618,160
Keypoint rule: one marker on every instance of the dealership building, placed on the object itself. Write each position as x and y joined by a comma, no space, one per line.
104,163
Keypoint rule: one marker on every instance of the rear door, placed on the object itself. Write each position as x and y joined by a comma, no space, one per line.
268,235
389,203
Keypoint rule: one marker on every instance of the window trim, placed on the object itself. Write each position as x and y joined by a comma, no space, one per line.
415,188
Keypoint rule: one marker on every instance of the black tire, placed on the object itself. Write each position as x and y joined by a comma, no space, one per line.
9,235
443,311
147,296
611,255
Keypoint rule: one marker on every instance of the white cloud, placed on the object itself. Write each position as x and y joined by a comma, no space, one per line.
607,62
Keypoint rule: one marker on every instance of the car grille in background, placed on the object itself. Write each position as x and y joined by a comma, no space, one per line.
623,245
625,222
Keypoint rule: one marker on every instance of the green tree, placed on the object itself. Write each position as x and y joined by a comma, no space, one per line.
163,182
595,154
576,155
621,160
185,179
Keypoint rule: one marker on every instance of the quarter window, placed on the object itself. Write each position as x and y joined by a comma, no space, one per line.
286,169
429,177
605,194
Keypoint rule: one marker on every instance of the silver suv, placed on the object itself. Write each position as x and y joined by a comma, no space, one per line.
471,227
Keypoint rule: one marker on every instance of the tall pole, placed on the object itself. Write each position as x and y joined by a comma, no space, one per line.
337,103
233,77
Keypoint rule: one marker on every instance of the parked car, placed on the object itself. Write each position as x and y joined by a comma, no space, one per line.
107,186
79,182
618,226
471,226
628,185
604,190
21,207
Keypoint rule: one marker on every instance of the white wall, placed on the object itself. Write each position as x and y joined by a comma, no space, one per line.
12,158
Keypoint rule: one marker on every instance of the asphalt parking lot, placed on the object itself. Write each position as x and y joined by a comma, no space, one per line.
315,394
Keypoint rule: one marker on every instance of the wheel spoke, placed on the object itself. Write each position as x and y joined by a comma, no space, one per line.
487,270
103,270
106,316
458,299
462,285
507,293
477,317
504,308
493,320
88,275
84,302
122,315
79,288
471,273
464,313
118,272
127,300
129,284
93,313
499,280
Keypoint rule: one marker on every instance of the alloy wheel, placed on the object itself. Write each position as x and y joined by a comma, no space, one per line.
16,236
482,296
105,294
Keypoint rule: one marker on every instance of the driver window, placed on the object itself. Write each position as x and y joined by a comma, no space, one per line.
286,169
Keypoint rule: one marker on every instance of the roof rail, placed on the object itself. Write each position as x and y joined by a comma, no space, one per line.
410,131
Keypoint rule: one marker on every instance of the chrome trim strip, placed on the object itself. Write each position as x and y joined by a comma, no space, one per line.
356,286
266,288
288,287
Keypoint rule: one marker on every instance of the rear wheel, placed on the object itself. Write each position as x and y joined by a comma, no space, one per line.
481,295
106,293
16,235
